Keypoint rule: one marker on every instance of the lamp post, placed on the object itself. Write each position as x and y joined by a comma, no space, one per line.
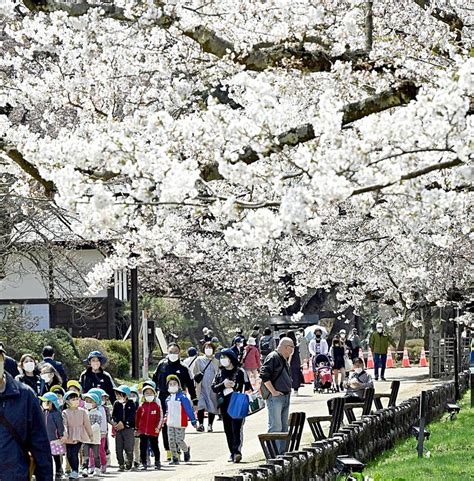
134,322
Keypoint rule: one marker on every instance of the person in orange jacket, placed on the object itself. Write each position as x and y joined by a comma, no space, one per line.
148,422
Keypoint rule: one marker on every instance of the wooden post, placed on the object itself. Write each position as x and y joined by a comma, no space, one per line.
421,433
457,396
472,387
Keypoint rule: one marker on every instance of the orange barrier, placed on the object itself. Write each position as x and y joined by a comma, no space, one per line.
423,361
389,359
406,359
308,373
370,360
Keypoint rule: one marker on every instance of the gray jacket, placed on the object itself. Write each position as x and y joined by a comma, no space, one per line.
276,369
365,381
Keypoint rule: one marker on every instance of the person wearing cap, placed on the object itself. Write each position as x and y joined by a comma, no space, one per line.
30,374
230,378
78,431
179,411
60,392
251,358
379,342
92,403
172,365
104,422
48,357
275,374
148,423
356,343
190,360
53,421
123,420
96,376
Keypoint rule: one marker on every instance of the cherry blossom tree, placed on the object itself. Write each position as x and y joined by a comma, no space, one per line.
223,145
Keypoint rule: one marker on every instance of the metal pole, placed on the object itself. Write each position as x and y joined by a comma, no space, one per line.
134,323
472,389
456,363
421,433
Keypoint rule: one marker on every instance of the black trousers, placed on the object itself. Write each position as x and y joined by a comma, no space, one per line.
164,429
210,417
233,432
58,463
153,440
72,454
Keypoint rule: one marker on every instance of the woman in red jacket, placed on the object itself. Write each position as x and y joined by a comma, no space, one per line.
251,360
148,422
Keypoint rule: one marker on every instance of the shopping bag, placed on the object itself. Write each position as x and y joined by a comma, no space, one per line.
256,403
57,447
238,406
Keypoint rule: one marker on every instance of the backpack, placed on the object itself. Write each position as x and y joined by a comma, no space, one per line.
265,345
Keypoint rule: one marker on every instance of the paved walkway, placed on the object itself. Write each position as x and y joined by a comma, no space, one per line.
209,452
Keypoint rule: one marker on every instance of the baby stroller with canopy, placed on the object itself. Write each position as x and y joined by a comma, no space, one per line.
323,380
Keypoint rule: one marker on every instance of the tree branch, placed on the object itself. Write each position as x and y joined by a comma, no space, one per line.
393,97
28,168
452,20
411,175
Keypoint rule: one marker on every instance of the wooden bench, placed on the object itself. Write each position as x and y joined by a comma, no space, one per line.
292,438
392,396
335,420
366,405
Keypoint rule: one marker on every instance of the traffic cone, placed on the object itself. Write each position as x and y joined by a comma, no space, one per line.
423,362
370,360
308,373
361,355
406,359
389,359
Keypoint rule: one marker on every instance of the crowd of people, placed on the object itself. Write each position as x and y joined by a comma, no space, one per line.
68,423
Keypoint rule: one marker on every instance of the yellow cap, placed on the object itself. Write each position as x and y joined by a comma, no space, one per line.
75,384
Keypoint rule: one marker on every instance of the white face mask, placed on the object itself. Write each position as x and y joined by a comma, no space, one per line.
173,357
2,368
74,403
379,329
358,370
225,362
149,399
88,406
29,366
208,352
173,389
46,377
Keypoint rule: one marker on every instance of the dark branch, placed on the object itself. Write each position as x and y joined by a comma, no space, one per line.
393,97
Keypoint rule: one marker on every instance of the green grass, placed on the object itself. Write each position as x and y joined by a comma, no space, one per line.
450,447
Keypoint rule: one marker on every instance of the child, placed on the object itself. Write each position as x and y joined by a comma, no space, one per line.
123,420
148,422
105,413
135,397
92,403
55,428
179,410
75,386
59,391
77,430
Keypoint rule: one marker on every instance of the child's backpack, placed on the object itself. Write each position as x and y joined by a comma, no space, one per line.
265,345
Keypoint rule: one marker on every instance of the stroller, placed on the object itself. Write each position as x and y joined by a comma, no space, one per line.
323,381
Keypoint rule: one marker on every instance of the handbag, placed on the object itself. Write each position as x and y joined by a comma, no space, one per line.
256,403
200,375
348,363
57,447
238,406
29,458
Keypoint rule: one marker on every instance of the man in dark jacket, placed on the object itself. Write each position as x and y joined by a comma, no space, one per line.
48,356
95,376
172,365
22,430
276,377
